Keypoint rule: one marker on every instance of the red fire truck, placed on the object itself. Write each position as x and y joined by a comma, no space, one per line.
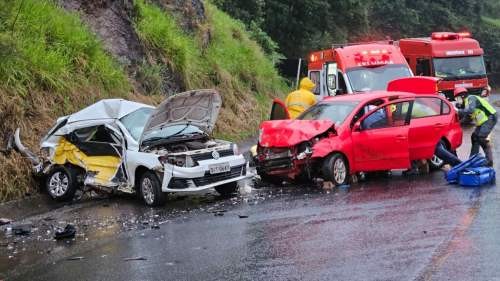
454,57
356,68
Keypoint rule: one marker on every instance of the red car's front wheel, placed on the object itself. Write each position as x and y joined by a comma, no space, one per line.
336,169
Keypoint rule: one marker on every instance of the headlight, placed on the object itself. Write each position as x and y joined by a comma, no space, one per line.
173,160
277,153
236,151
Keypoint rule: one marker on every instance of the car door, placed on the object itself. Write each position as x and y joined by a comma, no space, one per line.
380,138
100,151
430,118
279,111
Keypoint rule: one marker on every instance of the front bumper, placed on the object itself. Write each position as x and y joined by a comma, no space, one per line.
181,179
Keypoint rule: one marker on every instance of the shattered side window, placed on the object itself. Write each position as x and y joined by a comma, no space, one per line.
134,122
84,134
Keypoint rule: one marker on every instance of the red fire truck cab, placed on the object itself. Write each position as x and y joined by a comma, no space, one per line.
454,57
356,68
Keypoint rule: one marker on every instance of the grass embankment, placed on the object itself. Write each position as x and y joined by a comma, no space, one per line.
51,65
228,61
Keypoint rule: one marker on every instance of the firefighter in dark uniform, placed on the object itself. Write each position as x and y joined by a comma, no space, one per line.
484,116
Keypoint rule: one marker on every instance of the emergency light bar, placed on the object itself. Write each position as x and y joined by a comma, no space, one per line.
449,35
373,58
465,34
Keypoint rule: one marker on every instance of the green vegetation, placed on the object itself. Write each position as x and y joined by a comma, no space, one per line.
303,25
492,21
45,48
50,65
161,32
228,61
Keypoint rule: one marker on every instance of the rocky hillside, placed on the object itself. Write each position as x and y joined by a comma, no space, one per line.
59,56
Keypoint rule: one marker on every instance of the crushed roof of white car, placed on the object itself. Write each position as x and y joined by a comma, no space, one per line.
117,145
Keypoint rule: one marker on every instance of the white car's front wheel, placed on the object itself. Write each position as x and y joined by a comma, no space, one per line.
150,189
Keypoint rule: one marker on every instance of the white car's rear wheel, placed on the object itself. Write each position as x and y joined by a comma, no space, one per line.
61,183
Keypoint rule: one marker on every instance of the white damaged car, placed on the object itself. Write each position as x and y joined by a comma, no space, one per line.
117,145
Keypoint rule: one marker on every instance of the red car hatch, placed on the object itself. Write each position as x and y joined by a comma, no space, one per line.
415,85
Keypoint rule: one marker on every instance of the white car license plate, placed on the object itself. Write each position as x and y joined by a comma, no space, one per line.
219,168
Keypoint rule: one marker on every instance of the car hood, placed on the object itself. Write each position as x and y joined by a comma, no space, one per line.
198,108
286,133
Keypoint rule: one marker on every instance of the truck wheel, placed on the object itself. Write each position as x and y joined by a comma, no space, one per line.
435,163
336,169
227,189
150,189
61,183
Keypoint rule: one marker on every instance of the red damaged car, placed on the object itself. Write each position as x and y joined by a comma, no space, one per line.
343,135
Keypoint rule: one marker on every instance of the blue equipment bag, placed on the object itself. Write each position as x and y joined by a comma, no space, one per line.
475,161
476,176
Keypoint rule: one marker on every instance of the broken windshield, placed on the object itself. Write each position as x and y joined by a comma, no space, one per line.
461,67
334,111
134,122
364,79
171,132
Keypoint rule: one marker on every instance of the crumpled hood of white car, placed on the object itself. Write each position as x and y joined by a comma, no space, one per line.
198,107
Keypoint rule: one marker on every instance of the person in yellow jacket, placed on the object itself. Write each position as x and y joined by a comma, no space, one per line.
298,101
484,116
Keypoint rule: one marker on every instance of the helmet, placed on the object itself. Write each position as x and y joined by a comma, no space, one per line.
460,91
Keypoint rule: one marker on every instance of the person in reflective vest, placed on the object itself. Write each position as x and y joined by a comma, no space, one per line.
484,116
298,101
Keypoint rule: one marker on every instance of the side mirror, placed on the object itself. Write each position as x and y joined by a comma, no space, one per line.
356,127
332,81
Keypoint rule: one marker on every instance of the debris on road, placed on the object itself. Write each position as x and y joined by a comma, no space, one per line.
219,214
75,258
218,211
23,229
243,216
4,221
68,232
135,259
328,185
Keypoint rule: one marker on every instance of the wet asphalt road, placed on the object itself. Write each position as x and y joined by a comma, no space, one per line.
397,228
